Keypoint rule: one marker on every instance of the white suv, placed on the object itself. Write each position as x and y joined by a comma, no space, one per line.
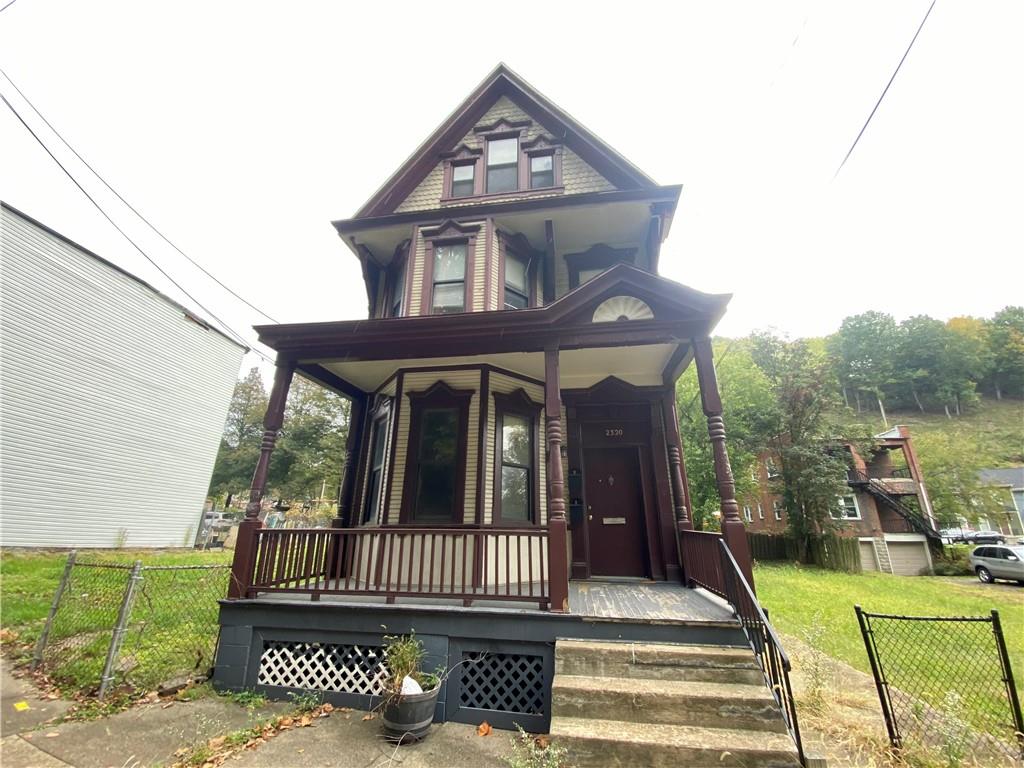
998,561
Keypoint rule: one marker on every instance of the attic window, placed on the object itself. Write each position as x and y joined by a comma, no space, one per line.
542,171
502,165
463,179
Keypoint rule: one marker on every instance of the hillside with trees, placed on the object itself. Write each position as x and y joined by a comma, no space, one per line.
959,386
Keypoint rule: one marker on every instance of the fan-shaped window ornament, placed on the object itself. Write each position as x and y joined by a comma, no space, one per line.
619,308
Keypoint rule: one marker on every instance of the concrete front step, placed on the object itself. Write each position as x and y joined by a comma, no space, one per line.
612,744
667,702
657,661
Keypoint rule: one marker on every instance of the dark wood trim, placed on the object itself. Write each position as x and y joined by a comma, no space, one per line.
538,148
449,233
653,244
440,395
350,463
676,364
523,204
503,82
399,260
502,125
520,404
364,445
518,247
463,156
683,313
489,263
549,261
599,256
382,412
660,467
396,415
611,390
320,375
481,471
558,561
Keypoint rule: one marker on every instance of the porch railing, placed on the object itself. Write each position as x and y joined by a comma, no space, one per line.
710,564
507,564
701,560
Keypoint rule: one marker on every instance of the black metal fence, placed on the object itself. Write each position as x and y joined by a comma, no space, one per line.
944,682
114,624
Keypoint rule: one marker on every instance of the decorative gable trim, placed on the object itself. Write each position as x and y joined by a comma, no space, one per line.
600,256
502,125
462,152
503,82
449,228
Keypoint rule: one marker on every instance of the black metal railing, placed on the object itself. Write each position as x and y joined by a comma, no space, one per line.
763,640
879,489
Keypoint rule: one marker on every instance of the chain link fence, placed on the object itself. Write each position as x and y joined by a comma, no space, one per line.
116,624
945,682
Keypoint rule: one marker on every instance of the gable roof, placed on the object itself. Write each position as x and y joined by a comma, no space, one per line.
1011,476
502,81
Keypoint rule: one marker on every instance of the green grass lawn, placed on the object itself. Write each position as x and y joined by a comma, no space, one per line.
173,623
799,598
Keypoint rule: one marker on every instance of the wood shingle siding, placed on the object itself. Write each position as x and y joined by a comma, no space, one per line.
577,176
113,400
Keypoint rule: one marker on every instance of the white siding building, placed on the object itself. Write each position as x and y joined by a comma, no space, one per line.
112,399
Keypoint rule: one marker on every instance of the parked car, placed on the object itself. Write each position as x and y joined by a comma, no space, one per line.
985,537
998,562
953,535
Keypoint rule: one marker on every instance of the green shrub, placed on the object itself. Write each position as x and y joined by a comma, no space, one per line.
954,562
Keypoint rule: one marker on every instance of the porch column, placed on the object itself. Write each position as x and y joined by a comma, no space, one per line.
680,490
558,556
733,530
245,545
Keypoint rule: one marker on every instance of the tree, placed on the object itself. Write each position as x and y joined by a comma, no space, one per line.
1006,347
310,450
812,465
747,404
920,352
240,444
951,468
865,348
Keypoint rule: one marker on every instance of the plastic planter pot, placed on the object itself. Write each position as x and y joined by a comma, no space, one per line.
407,718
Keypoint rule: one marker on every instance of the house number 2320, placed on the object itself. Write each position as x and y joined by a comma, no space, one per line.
613,432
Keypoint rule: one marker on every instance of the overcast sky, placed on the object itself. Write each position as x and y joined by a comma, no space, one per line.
241,129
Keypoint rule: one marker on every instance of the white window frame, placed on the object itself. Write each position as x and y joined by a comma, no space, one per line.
760,511
842,507
777,509
747,513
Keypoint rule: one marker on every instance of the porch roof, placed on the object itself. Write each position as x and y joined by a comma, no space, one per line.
680,314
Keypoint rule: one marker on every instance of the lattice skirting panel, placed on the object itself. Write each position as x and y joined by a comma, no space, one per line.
341,668
503,684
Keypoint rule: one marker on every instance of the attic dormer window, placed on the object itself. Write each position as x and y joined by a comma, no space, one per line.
463,180
542,171
502,165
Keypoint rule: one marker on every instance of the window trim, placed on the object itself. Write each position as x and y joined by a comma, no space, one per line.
777,509
842,507
448,233
438,395
760,511
517,403
748,513
399,262
518,164
518,247
462,155
599,256
382,415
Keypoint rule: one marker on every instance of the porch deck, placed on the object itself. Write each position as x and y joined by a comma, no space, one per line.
627,601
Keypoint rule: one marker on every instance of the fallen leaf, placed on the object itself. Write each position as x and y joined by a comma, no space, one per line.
285,722
218,742
21,706
168,704
306,720
181,752
328,707
484,729
368,717
52,735
542,741
300,751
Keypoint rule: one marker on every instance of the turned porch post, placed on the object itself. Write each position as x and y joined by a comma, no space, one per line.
558,555
245,544
733,530
680,490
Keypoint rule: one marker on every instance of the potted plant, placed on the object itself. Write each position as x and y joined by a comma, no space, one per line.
411,695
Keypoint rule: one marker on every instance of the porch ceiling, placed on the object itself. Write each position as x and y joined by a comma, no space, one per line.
641,365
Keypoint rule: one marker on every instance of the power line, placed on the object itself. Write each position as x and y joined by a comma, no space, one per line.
125,235
129,205
886,90
8,5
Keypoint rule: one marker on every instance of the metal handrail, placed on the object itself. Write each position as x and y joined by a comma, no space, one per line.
889,494
764,640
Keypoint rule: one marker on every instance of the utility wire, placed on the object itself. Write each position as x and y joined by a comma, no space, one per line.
125,235
129,205
8,5
886,90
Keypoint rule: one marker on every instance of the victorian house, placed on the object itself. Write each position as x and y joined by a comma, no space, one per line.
514,487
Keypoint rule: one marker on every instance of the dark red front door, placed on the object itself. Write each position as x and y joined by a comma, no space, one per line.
615,513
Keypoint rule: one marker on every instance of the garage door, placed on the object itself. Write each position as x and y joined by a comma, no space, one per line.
908,558
867,556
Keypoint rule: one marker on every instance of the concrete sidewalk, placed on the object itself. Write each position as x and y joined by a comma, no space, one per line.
151,733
